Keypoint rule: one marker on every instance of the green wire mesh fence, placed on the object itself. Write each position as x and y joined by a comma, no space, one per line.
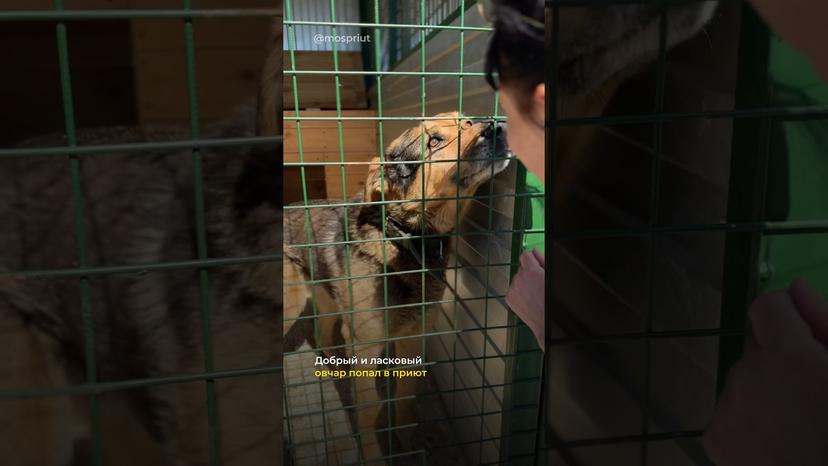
207,270
637,348
479,403
650,284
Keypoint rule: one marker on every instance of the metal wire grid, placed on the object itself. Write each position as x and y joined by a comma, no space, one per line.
404,41
524,382
316,11
744,227
93,388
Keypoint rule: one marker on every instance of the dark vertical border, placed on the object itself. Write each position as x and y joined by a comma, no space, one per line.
748,173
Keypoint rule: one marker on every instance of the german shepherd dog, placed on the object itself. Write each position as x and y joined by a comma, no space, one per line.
413,234
140,208
600,47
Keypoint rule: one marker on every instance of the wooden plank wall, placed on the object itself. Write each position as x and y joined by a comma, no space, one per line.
320,143
229,57
319,91
102,78
134,71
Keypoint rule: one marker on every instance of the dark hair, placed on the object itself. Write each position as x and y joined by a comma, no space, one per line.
516,50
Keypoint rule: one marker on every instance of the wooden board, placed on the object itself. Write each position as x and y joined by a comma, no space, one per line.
229,57
132,71
320,143
101,71
319,91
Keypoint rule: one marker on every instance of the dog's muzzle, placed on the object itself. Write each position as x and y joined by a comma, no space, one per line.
491,150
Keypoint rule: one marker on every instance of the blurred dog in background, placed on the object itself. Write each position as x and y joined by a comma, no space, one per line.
599,47
140,208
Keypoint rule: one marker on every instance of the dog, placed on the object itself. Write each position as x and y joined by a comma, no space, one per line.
599,49
396,232
140,208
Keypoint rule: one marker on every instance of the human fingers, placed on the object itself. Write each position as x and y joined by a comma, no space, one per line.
776,322
539,257
528,261
812,307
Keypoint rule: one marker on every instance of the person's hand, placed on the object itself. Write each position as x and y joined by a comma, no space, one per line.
526,296
774,407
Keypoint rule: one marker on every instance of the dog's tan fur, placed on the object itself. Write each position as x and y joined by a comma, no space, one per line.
360,333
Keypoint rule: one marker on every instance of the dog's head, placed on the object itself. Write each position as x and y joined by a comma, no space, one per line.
437,161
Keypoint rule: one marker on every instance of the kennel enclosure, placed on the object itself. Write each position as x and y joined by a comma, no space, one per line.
479,404
73,65
723,197
700,178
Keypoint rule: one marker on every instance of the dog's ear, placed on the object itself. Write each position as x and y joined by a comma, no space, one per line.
270,90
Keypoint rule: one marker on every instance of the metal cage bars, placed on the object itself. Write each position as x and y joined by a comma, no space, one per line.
93,388
292,73
767,228
743,227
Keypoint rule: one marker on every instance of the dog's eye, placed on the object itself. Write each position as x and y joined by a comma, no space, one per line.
434,141
468,124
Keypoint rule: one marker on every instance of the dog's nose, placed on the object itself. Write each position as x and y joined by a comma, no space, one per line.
498,128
